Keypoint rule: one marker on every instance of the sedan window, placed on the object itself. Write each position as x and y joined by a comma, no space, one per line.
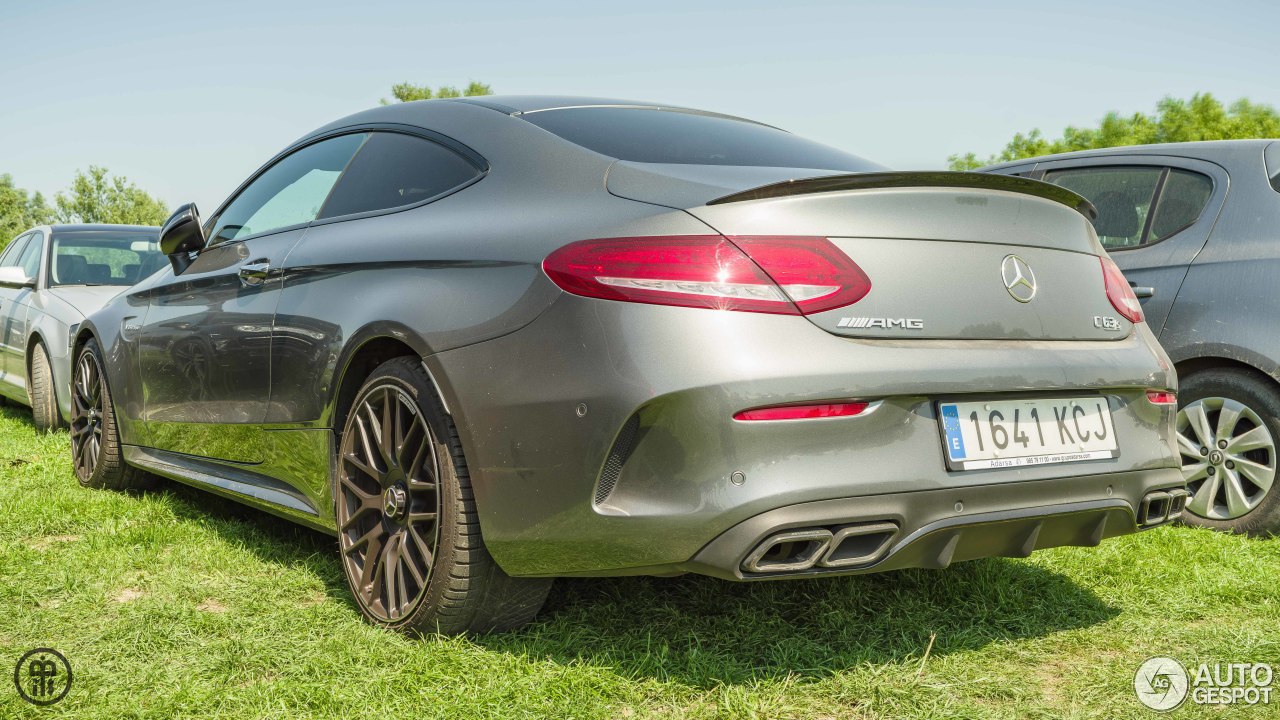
394,170
30,259
289,193
104,257
1181,201
14,251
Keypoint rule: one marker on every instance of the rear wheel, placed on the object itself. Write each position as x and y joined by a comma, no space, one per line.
408,529
95,440
1228,425
44,400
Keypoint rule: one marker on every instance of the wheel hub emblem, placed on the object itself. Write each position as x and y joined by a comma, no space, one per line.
1018,278
394,501
1215,457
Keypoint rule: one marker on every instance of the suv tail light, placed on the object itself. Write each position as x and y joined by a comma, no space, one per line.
781,275
1119,292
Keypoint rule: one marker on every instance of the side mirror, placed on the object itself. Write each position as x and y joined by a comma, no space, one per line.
182,235
15,277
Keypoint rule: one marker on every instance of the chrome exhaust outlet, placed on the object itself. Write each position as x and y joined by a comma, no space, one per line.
1155,508
1178,500
788,551
859,544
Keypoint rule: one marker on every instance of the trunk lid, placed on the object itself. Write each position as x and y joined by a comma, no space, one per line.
941,249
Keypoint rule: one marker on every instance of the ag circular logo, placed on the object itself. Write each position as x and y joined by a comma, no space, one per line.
1161,683
42,676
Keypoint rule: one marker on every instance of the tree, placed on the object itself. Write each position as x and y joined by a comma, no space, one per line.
1202,117
96,198
408,92
19,211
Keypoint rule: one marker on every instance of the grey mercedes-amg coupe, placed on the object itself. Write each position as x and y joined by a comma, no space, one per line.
492,341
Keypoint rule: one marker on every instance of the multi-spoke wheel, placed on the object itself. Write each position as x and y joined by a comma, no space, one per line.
388,502
408,530
1227,430
95,442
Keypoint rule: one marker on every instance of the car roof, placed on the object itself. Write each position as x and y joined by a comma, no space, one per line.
1212,150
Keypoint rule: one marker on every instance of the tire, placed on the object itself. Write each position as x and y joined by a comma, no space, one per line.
95,439
1228,427
44,399
408,530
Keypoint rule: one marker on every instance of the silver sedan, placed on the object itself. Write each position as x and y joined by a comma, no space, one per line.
51,277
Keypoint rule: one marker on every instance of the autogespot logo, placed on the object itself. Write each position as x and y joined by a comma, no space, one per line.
1161,683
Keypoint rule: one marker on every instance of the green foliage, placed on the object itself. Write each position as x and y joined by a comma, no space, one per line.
19,211
1202,117
96,198
408,92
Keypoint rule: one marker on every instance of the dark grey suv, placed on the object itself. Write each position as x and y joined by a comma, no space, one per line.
1195,227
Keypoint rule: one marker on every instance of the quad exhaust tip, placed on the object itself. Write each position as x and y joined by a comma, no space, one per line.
1162,506
836,547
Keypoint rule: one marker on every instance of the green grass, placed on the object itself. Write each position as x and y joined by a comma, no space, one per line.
174,603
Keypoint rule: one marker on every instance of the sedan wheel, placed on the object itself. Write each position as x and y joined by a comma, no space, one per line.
1227,429
388,505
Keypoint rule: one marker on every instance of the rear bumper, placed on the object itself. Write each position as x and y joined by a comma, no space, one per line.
600,438
932,529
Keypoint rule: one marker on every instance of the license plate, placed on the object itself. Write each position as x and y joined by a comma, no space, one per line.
1020,433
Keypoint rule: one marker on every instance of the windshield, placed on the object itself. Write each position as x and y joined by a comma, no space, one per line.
655,135
104,257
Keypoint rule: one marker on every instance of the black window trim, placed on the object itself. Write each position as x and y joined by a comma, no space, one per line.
471,156
1157,194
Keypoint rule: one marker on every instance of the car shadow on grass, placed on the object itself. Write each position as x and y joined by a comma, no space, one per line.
706,632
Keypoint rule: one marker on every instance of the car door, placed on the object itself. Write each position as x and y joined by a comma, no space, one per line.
12,316
205,344
325,272
1154,216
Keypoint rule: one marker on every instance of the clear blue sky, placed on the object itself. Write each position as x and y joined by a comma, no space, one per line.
186,99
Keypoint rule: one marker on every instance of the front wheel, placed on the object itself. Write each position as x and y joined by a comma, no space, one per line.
44,400
1228,424
95,439
408,529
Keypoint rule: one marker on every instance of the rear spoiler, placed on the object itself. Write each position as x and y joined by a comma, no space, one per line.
867,181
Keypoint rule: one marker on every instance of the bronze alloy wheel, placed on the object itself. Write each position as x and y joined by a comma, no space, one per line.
388,505
87,419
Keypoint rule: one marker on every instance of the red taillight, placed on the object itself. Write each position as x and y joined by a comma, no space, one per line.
784,275
1161,397
804,412
1119,292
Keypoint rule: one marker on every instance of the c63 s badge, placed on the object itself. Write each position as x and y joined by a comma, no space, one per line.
1106,322
880,322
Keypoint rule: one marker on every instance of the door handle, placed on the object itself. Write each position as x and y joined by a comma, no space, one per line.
254,274
1142,292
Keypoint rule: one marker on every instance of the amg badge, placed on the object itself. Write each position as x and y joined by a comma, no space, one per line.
879,322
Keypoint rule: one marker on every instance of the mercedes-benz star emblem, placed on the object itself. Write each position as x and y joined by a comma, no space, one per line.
1018,278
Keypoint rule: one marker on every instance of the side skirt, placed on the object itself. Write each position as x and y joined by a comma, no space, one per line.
239,484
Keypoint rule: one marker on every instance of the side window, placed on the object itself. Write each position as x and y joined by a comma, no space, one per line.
1181,201
1122,195
289,193
30,258
392,170
14,251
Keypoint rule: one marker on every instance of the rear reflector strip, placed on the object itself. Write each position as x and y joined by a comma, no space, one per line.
1161,397
804,412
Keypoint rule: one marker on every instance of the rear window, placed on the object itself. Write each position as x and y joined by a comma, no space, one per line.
654,135
104,257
